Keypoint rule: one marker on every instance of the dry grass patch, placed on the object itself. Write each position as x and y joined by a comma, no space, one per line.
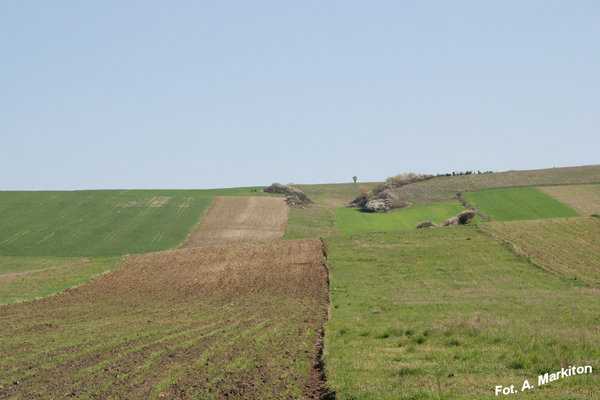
444,188
585,199
566,246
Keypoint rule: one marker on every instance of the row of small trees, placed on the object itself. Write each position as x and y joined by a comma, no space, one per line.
465,173
408,175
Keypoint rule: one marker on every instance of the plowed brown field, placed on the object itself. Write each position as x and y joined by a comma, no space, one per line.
240,219
235,321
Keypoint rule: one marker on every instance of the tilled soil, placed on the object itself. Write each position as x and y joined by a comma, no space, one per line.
230,321
240,219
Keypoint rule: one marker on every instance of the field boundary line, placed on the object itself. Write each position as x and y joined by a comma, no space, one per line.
316,384
513,248
465,203
70,264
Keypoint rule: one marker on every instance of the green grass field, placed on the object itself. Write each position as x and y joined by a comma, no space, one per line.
521,203
312,221
317,220
449,314
350,220
27,278
100,223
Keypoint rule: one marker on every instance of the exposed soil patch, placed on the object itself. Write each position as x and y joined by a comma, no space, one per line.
158,201
240,219
316,384
234,320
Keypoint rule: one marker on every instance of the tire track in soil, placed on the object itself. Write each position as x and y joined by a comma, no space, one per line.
31,271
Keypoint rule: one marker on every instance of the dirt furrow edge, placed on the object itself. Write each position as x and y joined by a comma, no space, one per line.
316,385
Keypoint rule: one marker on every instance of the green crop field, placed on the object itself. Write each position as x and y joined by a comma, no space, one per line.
349,220
449,313
26,278
100,223
44,235
521,203
566,246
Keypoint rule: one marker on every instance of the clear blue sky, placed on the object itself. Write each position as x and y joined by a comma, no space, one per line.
201,94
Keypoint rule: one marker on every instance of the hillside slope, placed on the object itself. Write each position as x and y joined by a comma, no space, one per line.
237,219
208,323
444,188
100,223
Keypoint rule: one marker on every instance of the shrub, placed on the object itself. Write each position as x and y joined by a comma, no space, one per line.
401,177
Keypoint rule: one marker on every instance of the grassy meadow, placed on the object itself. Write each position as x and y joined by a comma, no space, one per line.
317,220
350,220
312,221
449,313
521,203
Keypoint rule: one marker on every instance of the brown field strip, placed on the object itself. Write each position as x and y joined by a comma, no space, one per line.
566,246
585,199
240,219
235,321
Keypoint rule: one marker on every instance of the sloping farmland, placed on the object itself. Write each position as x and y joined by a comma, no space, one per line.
236,321
240,220
565,246
585,199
